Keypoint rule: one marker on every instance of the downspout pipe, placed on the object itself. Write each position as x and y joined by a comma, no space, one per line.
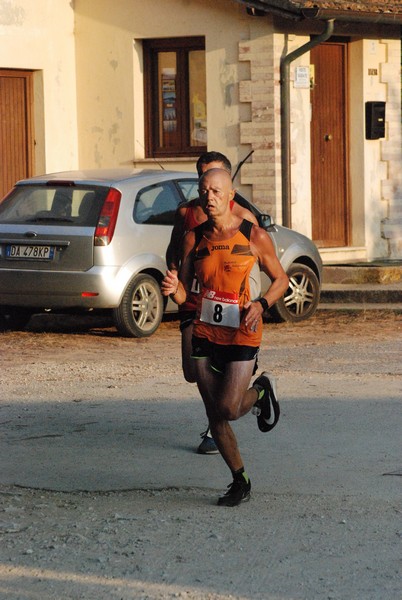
285,118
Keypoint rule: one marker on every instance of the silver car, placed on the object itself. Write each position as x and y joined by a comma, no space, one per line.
88,240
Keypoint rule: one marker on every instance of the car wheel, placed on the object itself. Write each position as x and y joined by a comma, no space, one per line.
141,309
300,301
14,319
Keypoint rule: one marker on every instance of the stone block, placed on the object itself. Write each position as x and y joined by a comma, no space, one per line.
245,91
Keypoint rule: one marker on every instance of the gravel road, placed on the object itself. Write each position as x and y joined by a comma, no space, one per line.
103,497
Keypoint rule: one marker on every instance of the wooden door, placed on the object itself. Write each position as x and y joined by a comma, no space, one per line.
330,206
16,130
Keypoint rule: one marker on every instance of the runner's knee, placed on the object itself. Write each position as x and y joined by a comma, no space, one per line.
229,411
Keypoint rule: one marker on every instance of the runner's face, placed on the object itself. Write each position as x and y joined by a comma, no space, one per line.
215,192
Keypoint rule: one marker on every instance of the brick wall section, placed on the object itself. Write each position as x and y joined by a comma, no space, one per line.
391,188
262,133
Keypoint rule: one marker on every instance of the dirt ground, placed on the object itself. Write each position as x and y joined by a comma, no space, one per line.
103,497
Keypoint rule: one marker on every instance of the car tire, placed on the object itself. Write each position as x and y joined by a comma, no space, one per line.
301,299
14,319
141,309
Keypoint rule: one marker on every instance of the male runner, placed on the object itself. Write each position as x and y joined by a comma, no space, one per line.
188,216
227,330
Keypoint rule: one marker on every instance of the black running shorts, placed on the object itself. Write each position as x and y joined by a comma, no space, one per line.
220,355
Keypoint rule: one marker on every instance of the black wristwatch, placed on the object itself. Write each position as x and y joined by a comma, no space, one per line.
263,303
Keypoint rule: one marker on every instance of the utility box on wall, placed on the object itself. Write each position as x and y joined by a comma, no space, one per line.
375,120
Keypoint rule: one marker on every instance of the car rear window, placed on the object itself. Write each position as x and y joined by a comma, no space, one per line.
53,204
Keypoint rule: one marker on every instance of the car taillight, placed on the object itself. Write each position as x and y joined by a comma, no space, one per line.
107,218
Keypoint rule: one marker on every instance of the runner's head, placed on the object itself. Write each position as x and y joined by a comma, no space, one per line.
215,191
213,160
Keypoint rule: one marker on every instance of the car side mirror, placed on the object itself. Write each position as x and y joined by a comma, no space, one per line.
265,220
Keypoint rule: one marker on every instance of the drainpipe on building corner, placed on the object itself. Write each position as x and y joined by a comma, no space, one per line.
285,118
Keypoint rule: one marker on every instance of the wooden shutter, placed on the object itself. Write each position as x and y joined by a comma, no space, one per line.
16,130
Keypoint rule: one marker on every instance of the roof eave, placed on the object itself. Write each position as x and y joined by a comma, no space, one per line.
294,15
355,16
323,14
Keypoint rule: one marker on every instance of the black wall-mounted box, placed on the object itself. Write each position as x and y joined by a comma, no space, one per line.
375,120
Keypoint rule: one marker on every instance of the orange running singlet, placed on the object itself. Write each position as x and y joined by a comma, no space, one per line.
223,269
190,223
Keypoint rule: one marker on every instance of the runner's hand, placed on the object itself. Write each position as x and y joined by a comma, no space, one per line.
253,314
170,283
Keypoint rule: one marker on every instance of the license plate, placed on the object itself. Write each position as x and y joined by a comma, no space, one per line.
30,252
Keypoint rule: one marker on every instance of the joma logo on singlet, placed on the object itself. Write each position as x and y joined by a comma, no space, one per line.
220,247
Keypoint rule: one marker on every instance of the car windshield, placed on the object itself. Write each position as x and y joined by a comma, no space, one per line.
53,204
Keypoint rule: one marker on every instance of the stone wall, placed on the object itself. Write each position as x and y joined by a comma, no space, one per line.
391,188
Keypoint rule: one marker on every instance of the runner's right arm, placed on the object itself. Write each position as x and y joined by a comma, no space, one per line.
179,286
173,251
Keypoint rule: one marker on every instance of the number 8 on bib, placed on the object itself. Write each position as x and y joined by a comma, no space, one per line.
220,308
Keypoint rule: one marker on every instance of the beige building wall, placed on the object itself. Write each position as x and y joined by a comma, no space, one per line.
375,165
374,54
391,150
39,36
110,77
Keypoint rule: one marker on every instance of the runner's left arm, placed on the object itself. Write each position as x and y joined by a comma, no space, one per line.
264,250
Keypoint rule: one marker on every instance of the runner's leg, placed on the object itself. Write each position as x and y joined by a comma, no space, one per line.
186,360
226,397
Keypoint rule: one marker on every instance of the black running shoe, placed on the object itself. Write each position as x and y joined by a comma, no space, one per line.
267,406
207,445
239,491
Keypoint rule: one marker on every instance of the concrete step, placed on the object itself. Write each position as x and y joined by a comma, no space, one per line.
383,272
362,296
362,287
362,292
361,307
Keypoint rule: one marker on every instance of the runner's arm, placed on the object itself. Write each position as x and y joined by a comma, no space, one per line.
264,250
179,286
173,250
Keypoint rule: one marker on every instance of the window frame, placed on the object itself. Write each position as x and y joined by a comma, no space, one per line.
182,46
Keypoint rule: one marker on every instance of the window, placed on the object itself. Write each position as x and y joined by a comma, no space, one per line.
157,203
189,188
48,204
175,97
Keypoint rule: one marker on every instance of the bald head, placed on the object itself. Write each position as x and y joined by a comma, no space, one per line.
216,191
218,175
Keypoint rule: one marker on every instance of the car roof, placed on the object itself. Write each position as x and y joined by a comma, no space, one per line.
108,177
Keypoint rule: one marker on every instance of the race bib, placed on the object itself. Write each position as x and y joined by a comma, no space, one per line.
220,308
195,286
